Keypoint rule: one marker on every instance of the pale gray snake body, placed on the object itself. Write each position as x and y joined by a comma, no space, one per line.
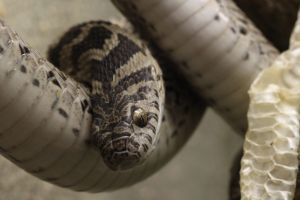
197,29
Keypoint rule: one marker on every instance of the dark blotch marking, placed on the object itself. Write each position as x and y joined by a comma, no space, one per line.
243,30
63,113
24,49
149,138
105,69
36,82
134,78
217,17
62,75
155,104
261,52
244,21
158,77
1,50
246,56
90,111
54,103
84,104
76,131
152,115
55,82
50,74
151,127
233,30
54,53
23,69
156,93
94,40
145,147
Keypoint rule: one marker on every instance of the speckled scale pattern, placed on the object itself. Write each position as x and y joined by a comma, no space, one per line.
46,118
219,50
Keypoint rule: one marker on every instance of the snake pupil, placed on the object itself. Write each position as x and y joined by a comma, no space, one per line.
140,117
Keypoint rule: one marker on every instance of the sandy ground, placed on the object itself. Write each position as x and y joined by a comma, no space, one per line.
199,171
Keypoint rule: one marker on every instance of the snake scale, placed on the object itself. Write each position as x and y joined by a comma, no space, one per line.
70,106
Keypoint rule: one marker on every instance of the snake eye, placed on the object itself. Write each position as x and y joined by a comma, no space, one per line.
140,117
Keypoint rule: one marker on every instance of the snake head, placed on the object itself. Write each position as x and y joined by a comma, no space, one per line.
127,136
126,88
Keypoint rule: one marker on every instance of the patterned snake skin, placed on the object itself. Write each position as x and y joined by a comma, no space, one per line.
181,50
280,182
127,92
222,73
46,117
38,85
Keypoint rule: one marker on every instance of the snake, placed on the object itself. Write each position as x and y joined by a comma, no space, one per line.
58,110
269,165
246,48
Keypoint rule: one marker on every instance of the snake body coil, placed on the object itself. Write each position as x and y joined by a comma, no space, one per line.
46,117
125,118
217,49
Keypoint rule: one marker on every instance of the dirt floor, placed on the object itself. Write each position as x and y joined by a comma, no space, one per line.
199,171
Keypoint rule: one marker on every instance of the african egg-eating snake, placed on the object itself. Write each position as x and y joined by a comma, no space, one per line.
60,111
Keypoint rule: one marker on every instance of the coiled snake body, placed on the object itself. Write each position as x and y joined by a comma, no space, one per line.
56,110
68,108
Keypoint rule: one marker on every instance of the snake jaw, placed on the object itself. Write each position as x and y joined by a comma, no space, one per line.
124,153
123,145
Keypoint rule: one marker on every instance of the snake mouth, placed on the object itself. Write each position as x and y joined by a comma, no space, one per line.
122,154
121,161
